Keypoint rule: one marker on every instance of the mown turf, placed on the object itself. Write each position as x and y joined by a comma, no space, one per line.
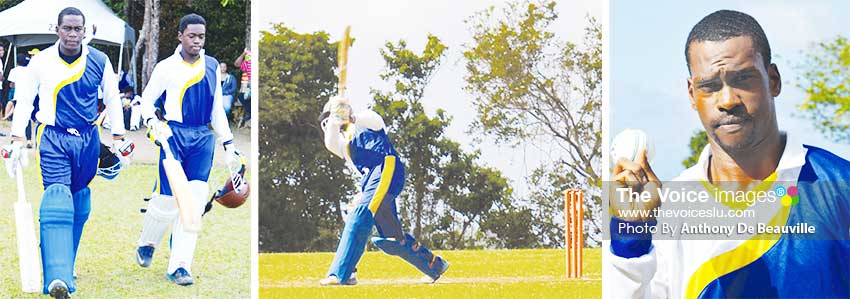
106,265
473,274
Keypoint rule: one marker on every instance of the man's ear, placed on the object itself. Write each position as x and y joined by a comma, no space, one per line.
775,78
691,93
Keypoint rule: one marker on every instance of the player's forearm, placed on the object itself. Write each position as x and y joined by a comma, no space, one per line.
116,114
21,117
220,125
334,140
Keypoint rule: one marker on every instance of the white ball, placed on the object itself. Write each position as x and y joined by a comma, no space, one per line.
629,143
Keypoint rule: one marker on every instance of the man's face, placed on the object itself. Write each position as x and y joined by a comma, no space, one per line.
2,51
732,91
71,32
223,67
192,38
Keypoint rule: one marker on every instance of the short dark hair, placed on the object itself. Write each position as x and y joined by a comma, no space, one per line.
722,25
69,11
191,19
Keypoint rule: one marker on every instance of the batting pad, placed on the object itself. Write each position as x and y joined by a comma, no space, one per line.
82,209
183,242
411,251
56,222
162,210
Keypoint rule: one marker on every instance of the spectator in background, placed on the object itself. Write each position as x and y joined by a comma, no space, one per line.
131,103
244,63
3,100
15,74
228,88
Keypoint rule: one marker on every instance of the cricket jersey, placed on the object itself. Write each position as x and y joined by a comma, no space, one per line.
373,155
787,266
67,91
192,93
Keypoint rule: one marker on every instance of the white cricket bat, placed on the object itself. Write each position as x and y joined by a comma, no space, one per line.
180,189
27,247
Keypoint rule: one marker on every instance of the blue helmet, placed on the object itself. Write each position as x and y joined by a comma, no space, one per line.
109,165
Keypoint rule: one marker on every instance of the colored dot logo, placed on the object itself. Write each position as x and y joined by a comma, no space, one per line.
789,195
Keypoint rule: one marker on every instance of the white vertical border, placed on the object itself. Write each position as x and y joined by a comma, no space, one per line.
606,103
255,153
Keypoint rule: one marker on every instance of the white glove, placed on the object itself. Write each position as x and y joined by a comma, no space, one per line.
124,149
157,130
14,154
340,109
234,159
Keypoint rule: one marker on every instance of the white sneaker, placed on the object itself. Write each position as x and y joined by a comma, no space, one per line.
329,281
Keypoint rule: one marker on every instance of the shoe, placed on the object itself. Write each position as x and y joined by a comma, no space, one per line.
439,262
144,255
59,290
352,280
181,277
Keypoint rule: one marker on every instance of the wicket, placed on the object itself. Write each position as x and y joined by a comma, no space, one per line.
574,231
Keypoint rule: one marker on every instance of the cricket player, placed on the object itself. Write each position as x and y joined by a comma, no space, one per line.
66,78
733,86
190,82
361,139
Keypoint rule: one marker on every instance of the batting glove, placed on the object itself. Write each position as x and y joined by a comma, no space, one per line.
157,131
14,154
234,159
124,149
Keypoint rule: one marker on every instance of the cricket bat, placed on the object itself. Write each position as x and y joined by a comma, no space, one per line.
27,247
180,189
342,60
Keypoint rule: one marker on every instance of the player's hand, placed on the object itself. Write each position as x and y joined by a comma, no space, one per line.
233,158
158,131
14,154
124,148
340,109
639,177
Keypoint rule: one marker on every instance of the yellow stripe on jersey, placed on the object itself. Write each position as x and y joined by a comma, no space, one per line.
38,132
192,81
383,185
743,255
65,82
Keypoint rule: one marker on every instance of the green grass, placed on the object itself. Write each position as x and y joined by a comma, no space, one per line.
106,263
473,274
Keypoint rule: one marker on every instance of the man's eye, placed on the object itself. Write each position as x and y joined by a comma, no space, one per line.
710,86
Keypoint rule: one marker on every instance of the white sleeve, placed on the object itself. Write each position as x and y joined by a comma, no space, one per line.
13,74
218,117
112,99
369,119
26,88
153,90
335,142
639,277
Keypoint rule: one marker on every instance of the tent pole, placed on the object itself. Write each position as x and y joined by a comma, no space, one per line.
120,58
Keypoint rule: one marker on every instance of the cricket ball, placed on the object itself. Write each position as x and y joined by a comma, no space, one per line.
628,143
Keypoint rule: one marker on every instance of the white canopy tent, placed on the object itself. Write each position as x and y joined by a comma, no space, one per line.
33,22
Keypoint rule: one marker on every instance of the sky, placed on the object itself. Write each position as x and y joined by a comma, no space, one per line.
374,23
648,71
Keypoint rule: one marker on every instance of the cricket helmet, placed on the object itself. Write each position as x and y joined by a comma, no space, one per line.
108,165
235,191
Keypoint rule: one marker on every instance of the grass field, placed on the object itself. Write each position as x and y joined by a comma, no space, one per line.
106,262
473,274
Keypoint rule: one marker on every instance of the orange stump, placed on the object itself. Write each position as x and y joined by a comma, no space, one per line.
574,231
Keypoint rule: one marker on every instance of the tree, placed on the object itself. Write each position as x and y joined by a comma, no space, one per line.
529,87
447,191
826,81
698,142
303,184
148,40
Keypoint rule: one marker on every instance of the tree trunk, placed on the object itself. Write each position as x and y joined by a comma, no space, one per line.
152,39
248,24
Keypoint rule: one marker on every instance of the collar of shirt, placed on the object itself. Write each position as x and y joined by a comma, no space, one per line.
793,158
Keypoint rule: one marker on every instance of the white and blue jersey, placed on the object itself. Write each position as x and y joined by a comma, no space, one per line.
66,106
192,102
790,266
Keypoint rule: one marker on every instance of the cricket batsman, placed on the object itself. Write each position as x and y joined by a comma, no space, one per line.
733,88
361,140
65,77
189,79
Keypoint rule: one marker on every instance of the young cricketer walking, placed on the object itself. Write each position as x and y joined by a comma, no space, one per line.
65,77
190,82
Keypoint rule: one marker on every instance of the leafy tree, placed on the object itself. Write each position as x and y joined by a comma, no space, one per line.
530,87
447,192
698,141
303,184
826,81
